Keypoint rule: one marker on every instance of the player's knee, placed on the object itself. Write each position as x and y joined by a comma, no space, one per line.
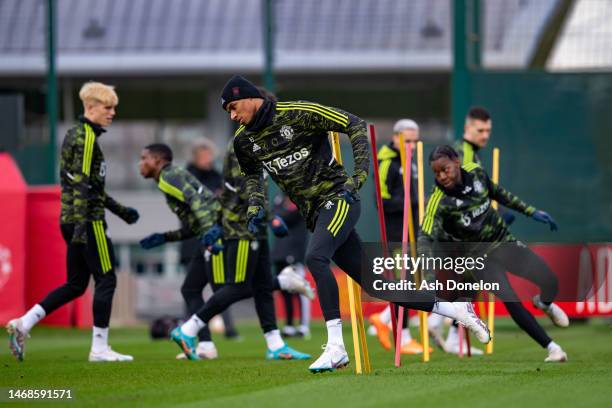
77,288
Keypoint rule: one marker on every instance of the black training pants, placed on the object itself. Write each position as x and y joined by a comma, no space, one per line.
519,260
242,270
192,288
334,238
96,258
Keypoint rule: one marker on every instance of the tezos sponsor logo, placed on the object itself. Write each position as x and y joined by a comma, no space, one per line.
280,163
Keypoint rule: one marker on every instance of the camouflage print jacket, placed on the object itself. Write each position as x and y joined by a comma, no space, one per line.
468,152
235,200
195,205
82,177
290,141
466,215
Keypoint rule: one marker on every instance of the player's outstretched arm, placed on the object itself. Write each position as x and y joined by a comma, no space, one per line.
128,214
507,199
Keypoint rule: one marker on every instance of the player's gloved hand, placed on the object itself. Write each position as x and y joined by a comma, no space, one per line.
278,226
216,248
348,197
131,215
255,221
508,217
212,235
153,241
544,217
79,234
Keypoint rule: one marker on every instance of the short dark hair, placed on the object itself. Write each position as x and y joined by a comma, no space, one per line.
443,151
478,113
162,150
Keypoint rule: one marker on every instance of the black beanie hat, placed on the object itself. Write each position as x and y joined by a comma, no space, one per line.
238,88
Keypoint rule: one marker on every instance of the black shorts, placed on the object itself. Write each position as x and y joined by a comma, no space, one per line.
238,261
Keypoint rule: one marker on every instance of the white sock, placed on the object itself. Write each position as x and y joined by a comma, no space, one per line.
334,332
99,341
274,340
192,326
385,315
445,309
552,346
406,337
33,316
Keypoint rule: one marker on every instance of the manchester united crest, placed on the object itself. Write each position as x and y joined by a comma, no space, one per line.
287,132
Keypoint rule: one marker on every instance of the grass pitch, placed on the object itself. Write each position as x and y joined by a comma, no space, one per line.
515,375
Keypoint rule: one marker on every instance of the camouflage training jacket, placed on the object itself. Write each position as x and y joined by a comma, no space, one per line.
82,177
468,152
290,141
466,215
235,200
194,204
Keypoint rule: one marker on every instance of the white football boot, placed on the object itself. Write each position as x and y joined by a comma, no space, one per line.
206,350
468,319
556,314
556,355
17,336
290,281
108,355
334,357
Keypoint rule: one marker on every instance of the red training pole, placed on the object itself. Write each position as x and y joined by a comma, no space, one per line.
381,216
407,236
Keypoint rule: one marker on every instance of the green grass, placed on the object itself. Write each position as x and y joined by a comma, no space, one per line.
514,376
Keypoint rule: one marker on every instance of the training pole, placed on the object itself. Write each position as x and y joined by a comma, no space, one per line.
421,193
354,295
491,304
381,217
407,237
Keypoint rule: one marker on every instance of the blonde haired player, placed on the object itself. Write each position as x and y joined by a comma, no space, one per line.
83,226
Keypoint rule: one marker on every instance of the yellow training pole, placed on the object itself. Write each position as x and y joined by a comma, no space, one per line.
354,295
491,308
421,192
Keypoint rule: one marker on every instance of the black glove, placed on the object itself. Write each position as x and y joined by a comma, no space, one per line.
131,215
255,222
153,241
544,217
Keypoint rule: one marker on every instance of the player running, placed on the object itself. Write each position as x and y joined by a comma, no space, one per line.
460,210
290,141
82,222
241,275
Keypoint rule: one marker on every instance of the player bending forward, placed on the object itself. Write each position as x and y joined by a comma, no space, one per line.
459,210
290,140
199,210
